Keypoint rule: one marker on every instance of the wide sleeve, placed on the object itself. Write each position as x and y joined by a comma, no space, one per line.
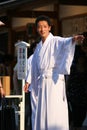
29,67
65,55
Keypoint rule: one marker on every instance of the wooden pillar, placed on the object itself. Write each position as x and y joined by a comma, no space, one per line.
6,84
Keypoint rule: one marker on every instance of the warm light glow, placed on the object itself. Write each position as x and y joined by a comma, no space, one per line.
1,23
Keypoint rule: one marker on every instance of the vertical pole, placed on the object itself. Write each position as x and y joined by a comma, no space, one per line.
22,70
22,108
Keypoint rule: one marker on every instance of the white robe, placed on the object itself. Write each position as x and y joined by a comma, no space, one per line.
32,97
50,62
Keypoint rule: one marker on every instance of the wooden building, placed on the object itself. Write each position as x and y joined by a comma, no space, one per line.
19,16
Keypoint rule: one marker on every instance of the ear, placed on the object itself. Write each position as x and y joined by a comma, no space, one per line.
49,28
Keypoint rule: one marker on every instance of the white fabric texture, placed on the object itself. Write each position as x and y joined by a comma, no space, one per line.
32,96
33,107
50,62
28,75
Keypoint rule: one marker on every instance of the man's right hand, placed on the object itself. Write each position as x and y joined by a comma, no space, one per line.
26,87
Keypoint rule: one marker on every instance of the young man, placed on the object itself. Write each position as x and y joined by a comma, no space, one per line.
51,60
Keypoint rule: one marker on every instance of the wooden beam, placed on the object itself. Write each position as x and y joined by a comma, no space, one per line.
37,4
26,4
33,14
73,2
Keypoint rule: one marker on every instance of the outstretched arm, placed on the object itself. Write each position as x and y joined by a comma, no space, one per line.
78,39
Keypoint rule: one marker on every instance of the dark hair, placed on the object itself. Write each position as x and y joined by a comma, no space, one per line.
43,18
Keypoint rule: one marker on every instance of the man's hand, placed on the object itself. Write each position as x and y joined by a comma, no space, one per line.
26,87
78,39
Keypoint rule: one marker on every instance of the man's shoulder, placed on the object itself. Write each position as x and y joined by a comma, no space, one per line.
30,58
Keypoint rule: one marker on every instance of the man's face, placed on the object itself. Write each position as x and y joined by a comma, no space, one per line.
43,29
